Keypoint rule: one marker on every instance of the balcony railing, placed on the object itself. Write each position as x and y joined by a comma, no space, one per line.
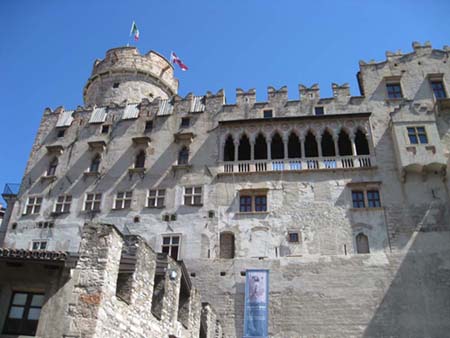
312,163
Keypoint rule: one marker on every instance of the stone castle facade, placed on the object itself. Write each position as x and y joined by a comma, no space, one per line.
344,199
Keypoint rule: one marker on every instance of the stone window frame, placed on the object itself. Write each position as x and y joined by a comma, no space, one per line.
413,132
26,325
366,189
39,244
293,233
185,122
192,193
123,200
96,199
267,110
315,110
153,201
253,194
33,205
357,247
438,79
63,204
170,245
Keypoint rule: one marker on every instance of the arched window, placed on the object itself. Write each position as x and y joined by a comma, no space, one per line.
294,146
362,244
344,144
327,144
226,245
95,164
260,147
140,160
244,149
228,151
362,146
277,147
52,167
183,156
311,145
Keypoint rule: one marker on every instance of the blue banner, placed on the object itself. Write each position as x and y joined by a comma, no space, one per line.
256,312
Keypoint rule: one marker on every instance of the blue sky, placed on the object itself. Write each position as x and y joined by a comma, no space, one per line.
47,48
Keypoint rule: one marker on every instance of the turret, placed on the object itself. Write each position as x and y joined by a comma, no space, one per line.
125,74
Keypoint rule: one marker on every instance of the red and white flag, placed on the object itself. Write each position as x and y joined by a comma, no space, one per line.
175,59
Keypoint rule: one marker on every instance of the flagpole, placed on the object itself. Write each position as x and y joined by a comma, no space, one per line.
129,35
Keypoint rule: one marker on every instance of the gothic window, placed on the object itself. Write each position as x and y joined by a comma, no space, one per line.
311,145
344,144
228,151
95,164
260,147
362,244
294,146
327,144
183,156
52,167
227,245
277,147
140,160
362,146
23,313
244,149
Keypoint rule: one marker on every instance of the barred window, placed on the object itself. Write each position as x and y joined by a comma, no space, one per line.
62,204
417,135
123,200
193,196
33,205
92,202
156,198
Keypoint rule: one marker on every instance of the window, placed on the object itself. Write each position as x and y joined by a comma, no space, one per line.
149,125
253,201
92,202
362,244
293,237
171,245
268,113
95,164
33,205
369,198
140,160
193,195
123,200
116,85
156,198
438,89
226,245
61,132
38,245
185,122
183,156
394,90
417,135
62,204
23,313
105,129
52,167
319,111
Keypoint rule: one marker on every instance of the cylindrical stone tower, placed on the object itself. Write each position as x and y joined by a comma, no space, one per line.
125,74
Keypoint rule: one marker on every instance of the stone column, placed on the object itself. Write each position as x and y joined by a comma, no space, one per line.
286,147
302,145
236,150
336,147
252,148
269,151
319,145
352,138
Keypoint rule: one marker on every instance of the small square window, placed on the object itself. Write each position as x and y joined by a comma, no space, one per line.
39,245
394,90
185,122
149,125
105,129
61,132
319,111
268,113
438,89
293,237
116,85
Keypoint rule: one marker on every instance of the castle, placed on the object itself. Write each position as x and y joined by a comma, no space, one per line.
345,200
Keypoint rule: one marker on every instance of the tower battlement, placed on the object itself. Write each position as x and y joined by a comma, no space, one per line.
125,74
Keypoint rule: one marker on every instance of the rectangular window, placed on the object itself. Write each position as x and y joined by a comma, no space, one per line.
394,90
62,204
33,205
260,203
253,201
373,199
268,113
417,135
123,200
156,198
171,245
105,129
245,204
92,202
358,199
438,89
23,313
61,132
319,111
185,122
293,237
193,196
149,125
38,245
